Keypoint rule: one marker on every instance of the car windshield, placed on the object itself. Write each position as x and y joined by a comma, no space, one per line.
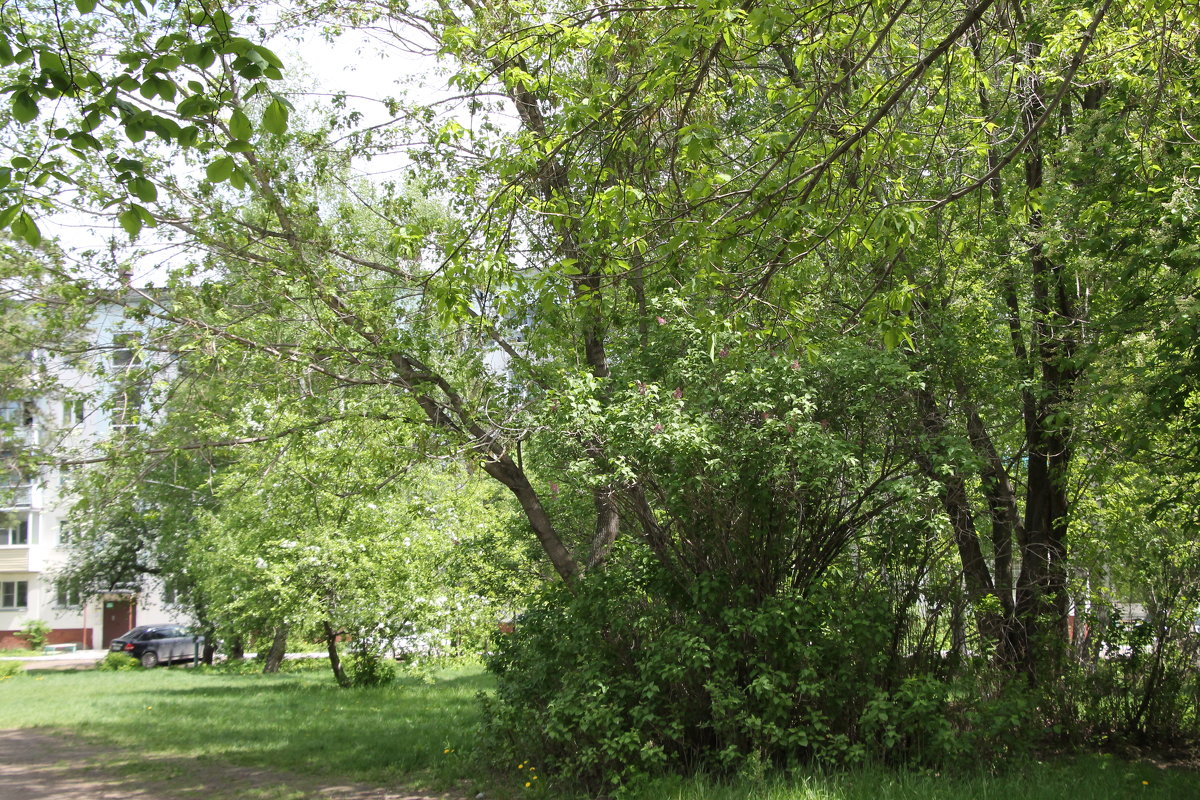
135,634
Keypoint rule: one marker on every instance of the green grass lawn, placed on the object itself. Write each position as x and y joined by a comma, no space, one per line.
302,722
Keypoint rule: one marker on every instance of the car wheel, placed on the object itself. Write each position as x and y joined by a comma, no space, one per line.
149,659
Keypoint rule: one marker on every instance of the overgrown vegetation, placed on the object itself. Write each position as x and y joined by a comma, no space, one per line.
819,381
423,734
118,662
35,632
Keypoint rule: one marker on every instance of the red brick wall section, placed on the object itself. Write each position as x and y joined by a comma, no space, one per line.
9,640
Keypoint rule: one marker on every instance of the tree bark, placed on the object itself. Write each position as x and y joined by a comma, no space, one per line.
1041,592
210,648
1001,501
335,658
608,526
957,504
278,650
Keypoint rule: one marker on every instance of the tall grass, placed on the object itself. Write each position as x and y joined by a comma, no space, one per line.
1083,778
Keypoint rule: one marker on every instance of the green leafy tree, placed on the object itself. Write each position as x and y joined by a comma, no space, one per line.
72,98
754,311
322,538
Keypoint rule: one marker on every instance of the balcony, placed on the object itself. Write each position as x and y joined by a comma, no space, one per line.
14,559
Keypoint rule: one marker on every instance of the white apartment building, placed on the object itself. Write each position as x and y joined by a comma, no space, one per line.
33,530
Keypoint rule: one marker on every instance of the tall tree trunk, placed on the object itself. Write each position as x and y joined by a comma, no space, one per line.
237,648
335,658
997,486
957,504
608,526
1006,527
210,647
278,650
1041,592
1001,501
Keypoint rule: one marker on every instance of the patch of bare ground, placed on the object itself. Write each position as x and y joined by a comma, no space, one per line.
1176,755
53,765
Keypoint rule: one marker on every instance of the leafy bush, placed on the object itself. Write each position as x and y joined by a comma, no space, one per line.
609,686
35,632
1140,684
369,669
9,669
942,723
118,662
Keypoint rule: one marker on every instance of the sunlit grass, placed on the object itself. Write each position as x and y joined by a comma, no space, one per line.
298,722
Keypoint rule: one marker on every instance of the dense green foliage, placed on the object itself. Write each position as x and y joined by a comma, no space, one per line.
838,359
35,632
75,103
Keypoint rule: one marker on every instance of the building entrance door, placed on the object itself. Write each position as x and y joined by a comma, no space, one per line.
119,617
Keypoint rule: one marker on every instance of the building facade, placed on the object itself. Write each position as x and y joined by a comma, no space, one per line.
92,401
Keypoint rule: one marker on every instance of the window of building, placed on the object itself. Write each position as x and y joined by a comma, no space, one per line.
14,533
15,490
17,413
127,407
14,594
172,593
73,411
66,597
65,533
125,350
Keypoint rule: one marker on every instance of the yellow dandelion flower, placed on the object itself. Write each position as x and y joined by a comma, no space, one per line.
527,784
1145,783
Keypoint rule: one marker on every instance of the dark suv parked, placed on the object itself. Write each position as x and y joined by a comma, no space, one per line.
155,644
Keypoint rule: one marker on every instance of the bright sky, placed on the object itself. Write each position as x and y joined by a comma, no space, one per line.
364,65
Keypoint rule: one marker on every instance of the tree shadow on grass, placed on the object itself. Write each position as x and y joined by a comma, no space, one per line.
38,765
300,724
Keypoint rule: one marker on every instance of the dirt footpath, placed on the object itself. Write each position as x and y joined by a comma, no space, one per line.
41,765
